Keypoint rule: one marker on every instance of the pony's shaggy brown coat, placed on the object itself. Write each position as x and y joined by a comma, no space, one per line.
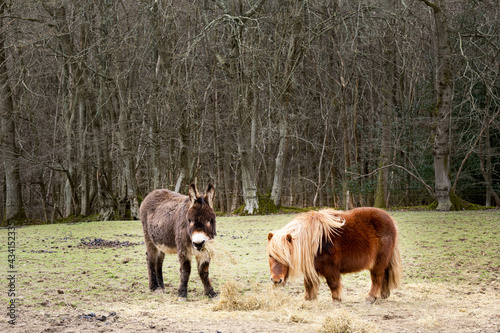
330,243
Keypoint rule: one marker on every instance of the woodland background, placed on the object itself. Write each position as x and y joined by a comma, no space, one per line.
293,103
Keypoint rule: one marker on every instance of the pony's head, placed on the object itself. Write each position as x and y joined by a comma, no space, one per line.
279,257
293,248
201,216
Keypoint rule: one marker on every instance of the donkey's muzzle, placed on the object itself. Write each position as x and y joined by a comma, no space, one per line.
199,240
199,245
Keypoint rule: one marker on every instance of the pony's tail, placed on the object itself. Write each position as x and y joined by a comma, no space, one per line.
395,268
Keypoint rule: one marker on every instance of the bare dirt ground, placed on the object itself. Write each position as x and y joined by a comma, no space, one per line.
413,308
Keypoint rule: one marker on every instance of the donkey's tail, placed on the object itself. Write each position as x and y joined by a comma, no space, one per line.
395,268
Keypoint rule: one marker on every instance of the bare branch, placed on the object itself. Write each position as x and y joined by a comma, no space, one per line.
472,148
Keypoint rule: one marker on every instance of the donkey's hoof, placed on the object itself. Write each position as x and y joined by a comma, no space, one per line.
211,293
182,299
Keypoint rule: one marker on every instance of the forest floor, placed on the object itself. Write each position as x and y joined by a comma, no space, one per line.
92,277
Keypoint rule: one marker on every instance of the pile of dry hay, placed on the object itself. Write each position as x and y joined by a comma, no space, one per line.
234,298
344,322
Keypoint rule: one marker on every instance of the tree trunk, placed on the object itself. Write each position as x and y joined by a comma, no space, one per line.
83,160
294,52
487,167
128,166
246,154
184,158
345,142
387,110
13,197
444,106
280,161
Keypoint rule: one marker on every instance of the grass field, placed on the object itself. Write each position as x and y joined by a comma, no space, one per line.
66,281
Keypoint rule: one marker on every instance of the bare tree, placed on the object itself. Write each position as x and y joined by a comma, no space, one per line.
14,209
444,107
286,71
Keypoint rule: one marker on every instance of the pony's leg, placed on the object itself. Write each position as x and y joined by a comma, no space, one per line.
311,291
203,271
159,270
379,273
385,292
151,259
333,282
185,272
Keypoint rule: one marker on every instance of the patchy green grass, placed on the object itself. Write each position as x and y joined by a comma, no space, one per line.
452,247
56,273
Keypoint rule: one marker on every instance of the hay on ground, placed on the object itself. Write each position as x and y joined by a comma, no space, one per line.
234,298
344,322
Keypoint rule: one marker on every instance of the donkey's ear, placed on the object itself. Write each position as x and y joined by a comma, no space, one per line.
210,195
289,237
193,193
269,236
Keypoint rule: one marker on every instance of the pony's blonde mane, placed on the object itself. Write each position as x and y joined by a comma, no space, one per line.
307,231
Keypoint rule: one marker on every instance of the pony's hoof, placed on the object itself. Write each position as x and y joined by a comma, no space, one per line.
371,299
182,299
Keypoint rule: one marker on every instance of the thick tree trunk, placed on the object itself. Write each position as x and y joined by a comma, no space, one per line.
444,106
13,198
443,109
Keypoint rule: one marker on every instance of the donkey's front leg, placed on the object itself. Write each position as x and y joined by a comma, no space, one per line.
185,272
203,270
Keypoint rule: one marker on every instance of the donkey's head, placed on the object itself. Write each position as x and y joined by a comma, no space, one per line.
201,216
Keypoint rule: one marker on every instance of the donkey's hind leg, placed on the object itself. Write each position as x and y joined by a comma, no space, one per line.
159,269
152,255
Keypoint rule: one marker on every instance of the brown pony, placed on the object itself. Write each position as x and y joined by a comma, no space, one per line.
330,243
175,223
